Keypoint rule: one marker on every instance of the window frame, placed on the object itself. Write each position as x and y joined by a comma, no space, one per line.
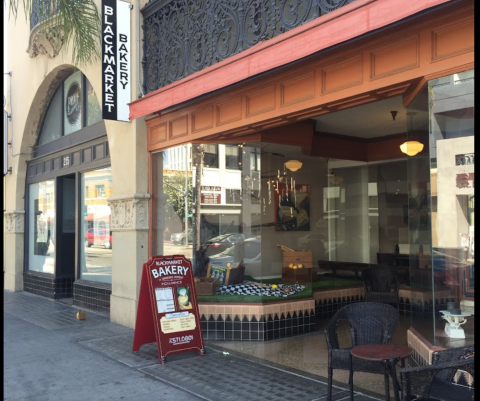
211,155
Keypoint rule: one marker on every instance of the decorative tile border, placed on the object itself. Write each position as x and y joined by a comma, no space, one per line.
257,322
249,322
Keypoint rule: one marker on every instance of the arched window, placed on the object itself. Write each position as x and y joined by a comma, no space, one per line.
73,107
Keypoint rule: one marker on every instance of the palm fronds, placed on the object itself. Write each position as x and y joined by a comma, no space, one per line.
79,19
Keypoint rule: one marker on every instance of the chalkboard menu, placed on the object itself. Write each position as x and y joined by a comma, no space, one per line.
167,307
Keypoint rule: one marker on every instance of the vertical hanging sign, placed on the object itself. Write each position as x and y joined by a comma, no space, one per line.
167,307
116,74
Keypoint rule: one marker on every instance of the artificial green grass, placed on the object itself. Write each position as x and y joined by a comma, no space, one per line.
323,283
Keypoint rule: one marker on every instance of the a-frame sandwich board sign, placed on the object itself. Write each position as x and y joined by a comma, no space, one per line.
167,309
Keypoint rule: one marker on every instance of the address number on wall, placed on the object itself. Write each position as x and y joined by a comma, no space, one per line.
66,161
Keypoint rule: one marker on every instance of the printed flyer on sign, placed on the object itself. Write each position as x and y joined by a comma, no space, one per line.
175,322
165,301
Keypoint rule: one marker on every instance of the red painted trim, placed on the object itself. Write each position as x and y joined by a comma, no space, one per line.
346,23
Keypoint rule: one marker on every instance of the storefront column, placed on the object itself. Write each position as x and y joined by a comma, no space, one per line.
130,251
13,243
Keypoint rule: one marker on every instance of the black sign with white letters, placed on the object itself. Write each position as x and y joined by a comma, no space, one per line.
116,73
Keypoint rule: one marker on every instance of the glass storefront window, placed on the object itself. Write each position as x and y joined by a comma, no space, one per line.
73,103
95,228
94,112
73,107
452,172
214,213
41,227
173,230
350,214
441,207
342,211
52,126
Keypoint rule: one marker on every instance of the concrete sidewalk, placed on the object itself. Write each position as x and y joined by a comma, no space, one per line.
50,355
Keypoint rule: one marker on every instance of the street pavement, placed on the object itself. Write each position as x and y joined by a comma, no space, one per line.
50,355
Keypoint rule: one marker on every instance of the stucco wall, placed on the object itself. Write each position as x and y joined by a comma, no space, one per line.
32,83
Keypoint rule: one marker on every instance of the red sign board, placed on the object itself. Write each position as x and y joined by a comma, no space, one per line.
211,198
167,307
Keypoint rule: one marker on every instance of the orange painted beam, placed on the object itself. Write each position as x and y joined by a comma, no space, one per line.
346,23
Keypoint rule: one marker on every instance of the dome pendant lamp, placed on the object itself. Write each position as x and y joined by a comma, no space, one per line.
293,165
411,148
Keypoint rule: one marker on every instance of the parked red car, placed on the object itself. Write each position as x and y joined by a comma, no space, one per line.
98,236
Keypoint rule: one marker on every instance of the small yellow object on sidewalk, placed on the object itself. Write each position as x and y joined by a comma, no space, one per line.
81,315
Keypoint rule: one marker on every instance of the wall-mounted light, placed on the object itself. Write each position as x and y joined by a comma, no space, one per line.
411,148
293,165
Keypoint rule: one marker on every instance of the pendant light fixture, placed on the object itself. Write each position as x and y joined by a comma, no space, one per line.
293,165
411,148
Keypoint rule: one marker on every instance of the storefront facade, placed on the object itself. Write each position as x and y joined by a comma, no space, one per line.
341,103
73,232
61,179
339,87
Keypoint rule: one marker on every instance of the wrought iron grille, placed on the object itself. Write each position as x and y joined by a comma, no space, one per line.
41,11
185,36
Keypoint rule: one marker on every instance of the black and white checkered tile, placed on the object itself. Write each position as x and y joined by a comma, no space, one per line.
250,288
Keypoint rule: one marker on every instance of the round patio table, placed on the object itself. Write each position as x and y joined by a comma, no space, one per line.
389,354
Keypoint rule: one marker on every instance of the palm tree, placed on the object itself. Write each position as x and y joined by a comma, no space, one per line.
79,19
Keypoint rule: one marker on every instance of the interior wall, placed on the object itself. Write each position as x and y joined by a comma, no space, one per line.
312,173
357,210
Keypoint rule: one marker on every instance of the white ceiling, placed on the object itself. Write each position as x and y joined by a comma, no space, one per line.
368,121
372,120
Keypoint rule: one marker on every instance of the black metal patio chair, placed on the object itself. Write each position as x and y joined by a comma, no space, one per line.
381,285
442,380
369,323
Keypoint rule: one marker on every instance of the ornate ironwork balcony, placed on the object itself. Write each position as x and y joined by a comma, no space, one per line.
41,11
185,36
44,38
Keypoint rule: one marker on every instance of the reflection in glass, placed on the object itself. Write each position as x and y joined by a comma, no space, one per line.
52,126
452,173
356,213
94,112
96,235
41,227
65,113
